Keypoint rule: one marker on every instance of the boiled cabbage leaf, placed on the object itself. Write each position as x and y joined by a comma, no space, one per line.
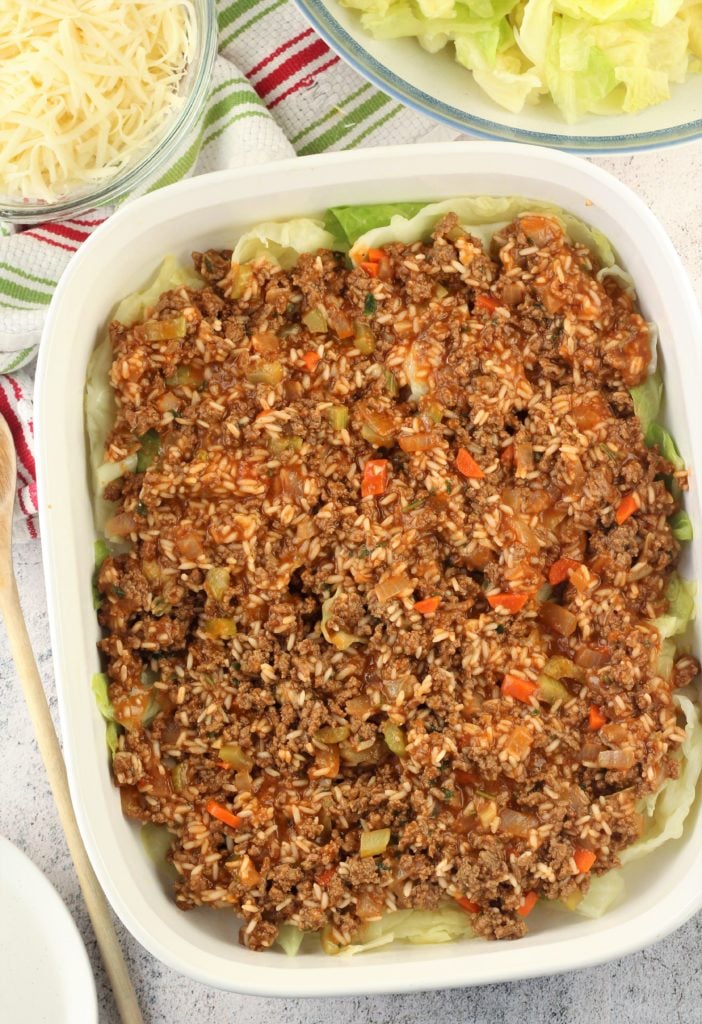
671,805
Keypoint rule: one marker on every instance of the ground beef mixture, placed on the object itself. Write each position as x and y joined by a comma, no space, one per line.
379,635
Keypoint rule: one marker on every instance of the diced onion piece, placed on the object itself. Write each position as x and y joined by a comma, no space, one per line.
343,640
395,739
189,544
291,482
592,657
110,471
616,760
518,742
486,811
514,823
368,755
523,459
357,707
248,874
374,843
266,373
120,525
419,442
392,587
378,428
417,371
558,619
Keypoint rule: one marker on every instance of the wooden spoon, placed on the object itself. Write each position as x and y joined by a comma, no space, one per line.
48,744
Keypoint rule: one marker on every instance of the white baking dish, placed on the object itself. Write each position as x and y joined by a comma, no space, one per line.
662,890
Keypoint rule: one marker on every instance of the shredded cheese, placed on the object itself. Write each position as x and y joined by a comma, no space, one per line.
86,86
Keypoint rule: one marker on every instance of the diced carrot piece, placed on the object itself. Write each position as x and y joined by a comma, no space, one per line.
486,302
325,877
510,602
375,255
520,689
626,507
372,269
584,859
428,606
467,904
310,359
466,464
560,569
222,814
528,904
595,718
375,477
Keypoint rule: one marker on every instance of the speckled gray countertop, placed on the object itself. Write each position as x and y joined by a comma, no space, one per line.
661,985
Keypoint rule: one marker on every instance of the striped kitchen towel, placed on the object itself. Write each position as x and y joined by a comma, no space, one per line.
277,90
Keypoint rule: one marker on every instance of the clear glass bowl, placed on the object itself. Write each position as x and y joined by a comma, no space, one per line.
147,168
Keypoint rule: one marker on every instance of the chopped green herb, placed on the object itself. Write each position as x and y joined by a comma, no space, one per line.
370,305
500,629
417,503
485,794
363,552
141,509
449,486
448,794
118,592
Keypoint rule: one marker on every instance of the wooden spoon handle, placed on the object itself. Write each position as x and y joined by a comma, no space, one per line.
122,987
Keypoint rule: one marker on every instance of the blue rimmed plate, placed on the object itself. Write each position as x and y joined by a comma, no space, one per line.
435,85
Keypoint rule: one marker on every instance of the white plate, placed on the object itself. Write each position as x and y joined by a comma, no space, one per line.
664,889
436,85
45,975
